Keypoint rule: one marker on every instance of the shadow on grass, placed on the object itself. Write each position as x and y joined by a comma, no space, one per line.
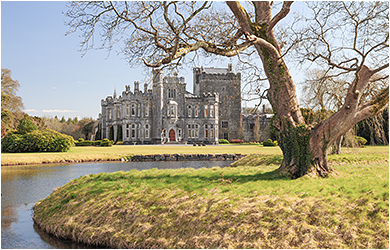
195,182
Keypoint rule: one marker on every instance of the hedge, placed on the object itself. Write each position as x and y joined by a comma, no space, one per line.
46,140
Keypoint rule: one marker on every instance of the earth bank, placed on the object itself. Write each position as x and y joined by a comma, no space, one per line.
236,207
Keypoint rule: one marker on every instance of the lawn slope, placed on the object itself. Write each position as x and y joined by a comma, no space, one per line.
246,206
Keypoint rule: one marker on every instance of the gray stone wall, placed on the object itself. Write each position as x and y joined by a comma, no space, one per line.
228,85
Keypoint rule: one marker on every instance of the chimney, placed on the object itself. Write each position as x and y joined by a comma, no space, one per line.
145,88
136,86
263,108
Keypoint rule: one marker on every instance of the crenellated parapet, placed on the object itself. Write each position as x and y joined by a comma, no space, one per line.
174,79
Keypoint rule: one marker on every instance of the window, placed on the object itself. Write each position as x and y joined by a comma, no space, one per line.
211,111
133,130
179,132
226,136
127,109
206,113
133,109
109,114
211,133
225,124
196,110
139,110
193,131
147,131
127,133
171,110
189,111
172,93
206,134
251,126
147,110
119,112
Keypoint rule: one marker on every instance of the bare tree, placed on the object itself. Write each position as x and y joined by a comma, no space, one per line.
163,33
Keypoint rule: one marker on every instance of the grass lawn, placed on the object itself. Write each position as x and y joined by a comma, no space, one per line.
122,151
248,205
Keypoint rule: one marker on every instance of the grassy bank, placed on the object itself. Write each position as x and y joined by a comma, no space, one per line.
115,153
247,206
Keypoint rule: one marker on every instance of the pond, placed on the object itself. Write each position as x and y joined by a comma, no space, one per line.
23,186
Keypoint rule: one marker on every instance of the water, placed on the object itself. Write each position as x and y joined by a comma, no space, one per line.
23,186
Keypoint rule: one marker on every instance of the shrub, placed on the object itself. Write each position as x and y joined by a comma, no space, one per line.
361,140
269,143
82,142
46,140
106,143
236,141
97,142
223,141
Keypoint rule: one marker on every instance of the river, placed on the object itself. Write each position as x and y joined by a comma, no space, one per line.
23,186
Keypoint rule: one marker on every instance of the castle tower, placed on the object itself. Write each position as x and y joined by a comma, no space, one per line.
158,104
228,84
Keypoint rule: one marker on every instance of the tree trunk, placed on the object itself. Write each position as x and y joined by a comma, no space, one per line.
303,147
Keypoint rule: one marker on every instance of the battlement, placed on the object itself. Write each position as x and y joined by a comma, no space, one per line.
209,95
174,79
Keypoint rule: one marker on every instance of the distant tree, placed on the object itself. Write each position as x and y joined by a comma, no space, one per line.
11,104
26,125
342,37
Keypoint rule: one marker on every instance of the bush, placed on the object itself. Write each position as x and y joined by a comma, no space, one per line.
269,143
223,141
236,141
97,142
82,142
106,143
361,141
46,140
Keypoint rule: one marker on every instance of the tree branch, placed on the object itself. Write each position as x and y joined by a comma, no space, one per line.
282,14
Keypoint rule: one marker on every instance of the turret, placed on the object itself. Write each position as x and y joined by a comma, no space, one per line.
136,86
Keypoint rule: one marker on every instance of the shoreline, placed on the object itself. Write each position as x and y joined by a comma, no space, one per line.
142,158
245,206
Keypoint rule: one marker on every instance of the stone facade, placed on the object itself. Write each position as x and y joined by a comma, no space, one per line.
168,113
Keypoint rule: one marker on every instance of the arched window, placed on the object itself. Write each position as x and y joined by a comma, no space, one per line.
132,109
133,131
147,131
211,111
206,111
196,110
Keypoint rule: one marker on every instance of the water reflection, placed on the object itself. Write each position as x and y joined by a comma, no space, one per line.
23,186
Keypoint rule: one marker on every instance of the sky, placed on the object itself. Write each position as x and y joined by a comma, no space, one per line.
55,79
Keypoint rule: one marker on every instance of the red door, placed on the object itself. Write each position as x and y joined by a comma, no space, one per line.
172,135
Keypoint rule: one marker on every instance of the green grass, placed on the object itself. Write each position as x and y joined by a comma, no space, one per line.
246,206
78,154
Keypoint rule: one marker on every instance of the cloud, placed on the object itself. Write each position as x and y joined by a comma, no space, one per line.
59,111
54,87
30,110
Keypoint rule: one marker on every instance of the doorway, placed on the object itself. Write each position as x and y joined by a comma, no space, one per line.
172,136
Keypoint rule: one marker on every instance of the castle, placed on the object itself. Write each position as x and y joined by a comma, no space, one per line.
168,113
